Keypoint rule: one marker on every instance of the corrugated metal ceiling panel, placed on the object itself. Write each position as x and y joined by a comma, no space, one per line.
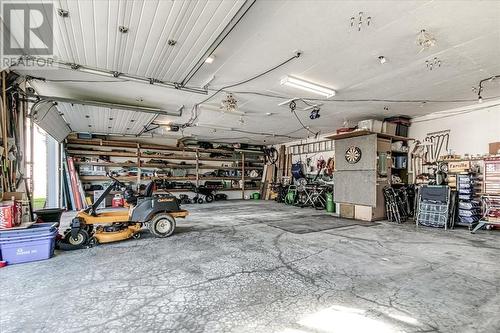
86,118
90,36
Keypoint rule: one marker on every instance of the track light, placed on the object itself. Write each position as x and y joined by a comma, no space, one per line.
307,86
382,59
479,99
62,12
359,20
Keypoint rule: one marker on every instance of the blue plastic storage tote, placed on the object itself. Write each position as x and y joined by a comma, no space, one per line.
31,244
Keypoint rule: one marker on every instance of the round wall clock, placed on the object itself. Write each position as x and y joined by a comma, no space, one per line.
353,155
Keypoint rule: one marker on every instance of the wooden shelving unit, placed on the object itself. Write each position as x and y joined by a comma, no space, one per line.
366,132
143,157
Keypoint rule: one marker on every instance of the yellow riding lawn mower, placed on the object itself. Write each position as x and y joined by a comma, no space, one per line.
158,212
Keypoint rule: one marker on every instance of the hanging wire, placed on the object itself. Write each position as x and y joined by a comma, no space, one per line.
195,112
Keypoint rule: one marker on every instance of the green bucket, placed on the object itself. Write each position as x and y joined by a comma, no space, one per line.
256,196
330,205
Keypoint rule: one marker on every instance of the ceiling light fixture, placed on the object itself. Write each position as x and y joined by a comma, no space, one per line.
425,40
229,104
307,86
171,42
360,21
433,63
123,29
268,114
210,59
382,59
480,87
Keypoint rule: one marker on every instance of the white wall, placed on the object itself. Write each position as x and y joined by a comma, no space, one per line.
471,128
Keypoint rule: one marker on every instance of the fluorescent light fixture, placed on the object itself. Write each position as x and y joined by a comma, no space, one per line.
307,86
164,122
207,82
210,59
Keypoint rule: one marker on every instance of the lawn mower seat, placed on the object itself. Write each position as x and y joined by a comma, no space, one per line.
131,197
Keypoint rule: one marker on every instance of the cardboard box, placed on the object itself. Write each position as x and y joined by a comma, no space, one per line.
495,148
347,211
363,213
389,128
16,195
10,214
458,166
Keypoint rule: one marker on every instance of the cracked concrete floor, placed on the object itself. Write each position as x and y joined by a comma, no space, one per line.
226,270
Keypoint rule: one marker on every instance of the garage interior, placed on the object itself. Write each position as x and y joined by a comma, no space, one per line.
250,166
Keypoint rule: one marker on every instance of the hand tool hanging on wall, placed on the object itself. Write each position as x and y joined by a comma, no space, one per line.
320,165
437,141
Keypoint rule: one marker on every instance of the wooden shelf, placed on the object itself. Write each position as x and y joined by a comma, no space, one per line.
188,158
214,167
201,178
195,161
107,164
133,145
216,190
72,152
166,166
187,178
365,132
95,178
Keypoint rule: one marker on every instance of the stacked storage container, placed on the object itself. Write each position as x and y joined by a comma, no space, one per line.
469,210
24,245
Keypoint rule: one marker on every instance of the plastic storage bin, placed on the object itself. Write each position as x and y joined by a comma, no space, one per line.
47,215
32,244
372,125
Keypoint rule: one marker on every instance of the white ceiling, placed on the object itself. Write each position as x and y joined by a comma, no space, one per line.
86,118
90,35
334,55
